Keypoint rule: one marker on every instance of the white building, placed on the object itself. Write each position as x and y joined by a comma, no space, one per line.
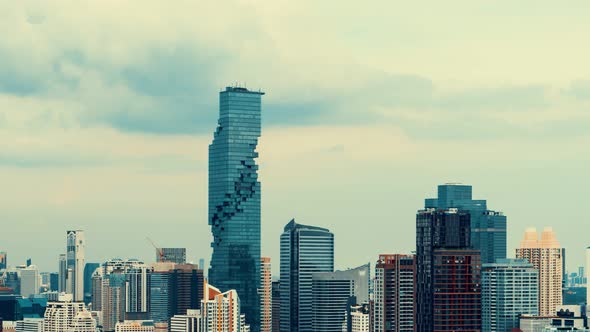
190,322
75,261
30,325
220,312
29,281
359,317
83,322
59,316
135,326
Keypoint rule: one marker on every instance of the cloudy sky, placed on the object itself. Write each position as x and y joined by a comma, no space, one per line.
107,109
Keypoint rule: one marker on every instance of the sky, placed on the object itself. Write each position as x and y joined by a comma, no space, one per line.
107,109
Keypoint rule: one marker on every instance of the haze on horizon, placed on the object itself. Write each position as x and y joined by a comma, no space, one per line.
107,109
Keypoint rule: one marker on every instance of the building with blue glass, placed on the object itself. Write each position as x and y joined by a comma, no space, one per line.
305,250
234,199
488,228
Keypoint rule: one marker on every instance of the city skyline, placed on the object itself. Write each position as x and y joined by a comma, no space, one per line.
368,131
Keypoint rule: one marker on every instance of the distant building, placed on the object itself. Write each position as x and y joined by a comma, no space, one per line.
393,299
29,281
220,312
113,300
566,318
333,292
190,322
3,260
63,273
59,316
186,288
265,295
357,319
276,306
135,326
53,282
172,255
160,283
305,250
30,325
75,260
89,270
546,256
83,322
488,228
510,288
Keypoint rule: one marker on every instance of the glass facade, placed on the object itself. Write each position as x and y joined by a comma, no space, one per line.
160,308
234,199
305,250
488,228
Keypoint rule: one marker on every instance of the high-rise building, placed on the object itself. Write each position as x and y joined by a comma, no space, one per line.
160,306
63,273
135,326
304,250
75,253
546,256
332,293
276,306
186,288
53,282
83,322
448,273
3,260
510,288
29,281
234,199
190,322
358,319
220,312
89,270
202,265
173,255
488,228
393,300
265,295
113,300
137,292
60,315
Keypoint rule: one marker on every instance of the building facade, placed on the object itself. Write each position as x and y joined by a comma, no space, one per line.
334,292
220,312
393,300
357,319
265,295
29,281
173,255
186,288
234,198
488,228
546,256
510,288
190,322
135,326
305,250
59,316
83,322
75,260
448,272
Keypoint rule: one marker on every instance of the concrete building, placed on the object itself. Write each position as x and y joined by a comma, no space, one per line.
265,295
171,255
135,326
220,312
30,325
393,299
29,281
83,322
191,322
59,316
75,263
359,318
546,256
510,288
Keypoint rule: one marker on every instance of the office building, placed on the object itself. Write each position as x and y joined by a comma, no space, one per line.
448,272
89,270
160,306
60,315
137,292
113,300
393,301
30,325
75,260
488,228
357,319
171,255
265,295
54,282
63,273
305,250
190,322
276,306
135,326
546,256
3,260
186,288
29,281
510,288
234,199
220,312
333,293
83,322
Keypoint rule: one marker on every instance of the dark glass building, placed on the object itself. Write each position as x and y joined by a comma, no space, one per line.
54,281
89,269
186,288
234,199
488,228
276,306
448,273
305,250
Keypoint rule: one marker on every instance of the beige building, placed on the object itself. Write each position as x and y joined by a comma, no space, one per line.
265,295
135,326
546,256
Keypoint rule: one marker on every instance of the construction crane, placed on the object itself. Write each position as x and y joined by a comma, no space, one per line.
158,249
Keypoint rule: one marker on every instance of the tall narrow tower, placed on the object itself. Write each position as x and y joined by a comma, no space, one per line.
75,251
234,199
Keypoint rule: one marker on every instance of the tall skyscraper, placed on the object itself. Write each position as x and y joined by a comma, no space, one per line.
334,292
63,273
488,228
510,288
160,306
448,273
186,288
3,260
234,199
137,292
75,252
393,304
305,250
265,295
546,256
113,300
174,255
